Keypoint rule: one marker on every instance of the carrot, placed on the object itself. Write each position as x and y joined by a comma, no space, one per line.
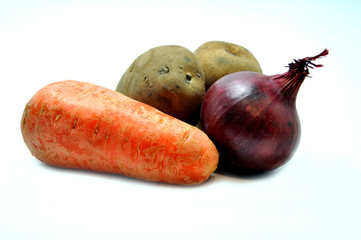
74,124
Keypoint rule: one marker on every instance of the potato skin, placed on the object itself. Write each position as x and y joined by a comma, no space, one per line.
220,58
169,78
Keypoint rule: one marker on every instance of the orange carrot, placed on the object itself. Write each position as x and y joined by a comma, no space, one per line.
75,124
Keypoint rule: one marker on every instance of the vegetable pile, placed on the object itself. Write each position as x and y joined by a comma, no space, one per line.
145,128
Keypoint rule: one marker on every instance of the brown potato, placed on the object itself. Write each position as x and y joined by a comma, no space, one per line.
169,78
221,58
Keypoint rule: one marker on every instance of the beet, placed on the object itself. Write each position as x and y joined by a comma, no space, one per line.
252,118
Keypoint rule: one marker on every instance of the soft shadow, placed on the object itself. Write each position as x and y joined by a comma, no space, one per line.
248,175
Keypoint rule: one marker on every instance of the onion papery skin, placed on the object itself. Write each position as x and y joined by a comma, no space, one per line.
253,126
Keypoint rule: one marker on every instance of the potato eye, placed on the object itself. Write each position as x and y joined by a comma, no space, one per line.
164,70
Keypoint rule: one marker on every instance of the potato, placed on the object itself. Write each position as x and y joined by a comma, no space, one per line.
221,58
169,78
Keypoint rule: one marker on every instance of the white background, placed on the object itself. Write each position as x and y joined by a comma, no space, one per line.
316,195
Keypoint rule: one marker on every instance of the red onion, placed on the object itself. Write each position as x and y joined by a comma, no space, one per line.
252,118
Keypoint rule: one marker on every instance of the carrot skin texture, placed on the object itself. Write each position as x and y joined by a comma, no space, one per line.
74,124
